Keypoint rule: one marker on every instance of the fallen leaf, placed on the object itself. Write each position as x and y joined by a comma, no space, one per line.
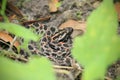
52,5
79,27
117,7
7,38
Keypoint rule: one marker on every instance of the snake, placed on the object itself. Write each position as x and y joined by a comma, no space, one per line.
55,44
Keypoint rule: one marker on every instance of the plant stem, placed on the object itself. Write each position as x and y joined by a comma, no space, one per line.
12,43
2,11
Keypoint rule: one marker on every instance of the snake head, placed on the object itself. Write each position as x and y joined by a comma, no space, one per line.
63,35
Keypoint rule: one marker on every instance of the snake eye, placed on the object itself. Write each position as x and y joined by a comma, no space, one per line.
63,35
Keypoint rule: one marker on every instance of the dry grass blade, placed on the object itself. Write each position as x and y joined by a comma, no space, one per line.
62,67
75,71
33,21
14,9
108,78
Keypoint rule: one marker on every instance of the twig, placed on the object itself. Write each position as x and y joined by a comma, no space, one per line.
108,78
75,70
65,72
62,67
12,43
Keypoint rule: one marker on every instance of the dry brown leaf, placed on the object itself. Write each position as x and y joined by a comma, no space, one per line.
7,38
52,5
74,24
117,7
79,27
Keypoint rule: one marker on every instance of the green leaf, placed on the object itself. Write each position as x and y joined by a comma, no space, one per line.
99,47
19,31
36,69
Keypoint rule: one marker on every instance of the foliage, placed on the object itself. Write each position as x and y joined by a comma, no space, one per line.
99,46
35,69
19,31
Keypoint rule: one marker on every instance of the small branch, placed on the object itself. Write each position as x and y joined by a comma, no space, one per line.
65,72
12,43
62,67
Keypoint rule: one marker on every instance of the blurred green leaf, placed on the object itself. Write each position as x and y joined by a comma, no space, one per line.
2,10
19,31
99,47
36,69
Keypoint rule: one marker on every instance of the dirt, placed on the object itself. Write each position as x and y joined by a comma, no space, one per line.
77,10
69,9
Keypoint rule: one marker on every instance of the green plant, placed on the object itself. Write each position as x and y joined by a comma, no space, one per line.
19,31
16,29
99,46
35,69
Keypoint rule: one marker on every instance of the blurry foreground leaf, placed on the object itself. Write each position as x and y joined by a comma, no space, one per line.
36,69
99,47
19,31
